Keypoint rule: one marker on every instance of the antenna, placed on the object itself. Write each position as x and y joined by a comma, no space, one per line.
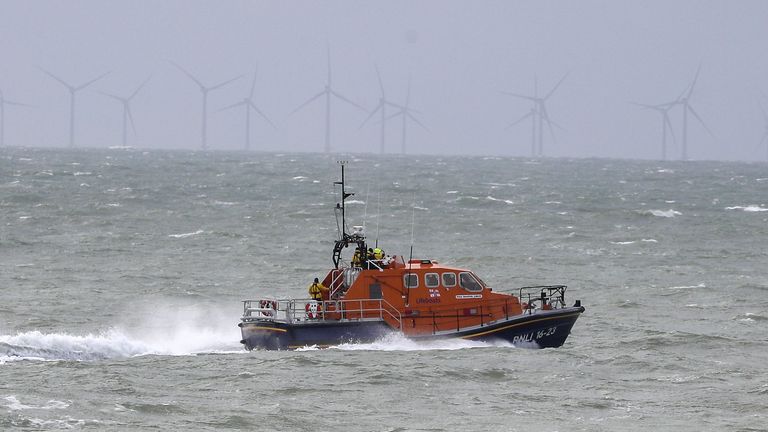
378,216
365,211
410,258
344,196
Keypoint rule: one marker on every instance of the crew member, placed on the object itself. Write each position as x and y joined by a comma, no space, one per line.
317,290
378,254
356,261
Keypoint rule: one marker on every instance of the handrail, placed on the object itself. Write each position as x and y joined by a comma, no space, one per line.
298,310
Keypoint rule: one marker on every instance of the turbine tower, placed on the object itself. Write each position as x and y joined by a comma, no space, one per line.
407,113
666,124
127,116
328,91
204,90
3,103
72,93
684,100
382,109
249,105
539,112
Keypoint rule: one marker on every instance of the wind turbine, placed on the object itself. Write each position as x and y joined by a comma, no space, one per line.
3,103
127,116
539,111
407,113
249,105
204,90
666,124
72,93
684,100
382,108
328,91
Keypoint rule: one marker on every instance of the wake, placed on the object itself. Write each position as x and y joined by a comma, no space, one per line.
116,344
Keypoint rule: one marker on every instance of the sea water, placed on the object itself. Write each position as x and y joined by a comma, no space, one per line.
122,272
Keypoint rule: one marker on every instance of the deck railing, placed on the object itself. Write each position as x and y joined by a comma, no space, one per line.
313,311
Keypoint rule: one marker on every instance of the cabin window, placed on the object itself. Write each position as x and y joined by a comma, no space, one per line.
374,291
468,281
449,280
411,280
431,280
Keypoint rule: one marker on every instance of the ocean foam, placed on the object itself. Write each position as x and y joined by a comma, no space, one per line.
749,208
398,342
186,331
664,213
185,235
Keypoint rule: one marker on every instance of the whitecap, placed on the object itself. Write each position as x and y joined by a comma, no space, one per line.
490,198
664,213
623,242
701,285
649,240
358,202
185,235
13,404
749,208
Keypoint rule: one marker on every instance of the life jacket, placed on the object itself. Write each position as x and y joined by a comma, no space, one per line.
315,291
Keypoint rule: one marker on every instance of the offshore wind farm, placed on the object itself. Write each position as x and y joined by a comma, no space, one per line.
453,80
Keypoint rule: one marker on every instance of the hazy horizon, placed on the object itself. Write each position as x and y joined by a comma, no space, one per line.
458,56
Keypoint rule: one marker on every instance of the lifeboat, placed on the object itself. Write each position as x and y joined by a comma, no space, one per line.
373,295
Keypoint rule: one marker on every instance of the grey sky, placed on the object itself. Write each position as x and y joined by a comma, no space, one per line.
460,57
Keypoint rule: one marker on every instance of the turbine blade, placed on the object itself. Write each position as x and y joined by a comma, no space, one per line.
253,85
408,93
222,84
695,114
375,110
416,120
135,92
178,66
642,105
64,83
522,96
92,81
9,102
130,118
556,86
236,104
381,83
328,56
518,121
393,105
693,84
309,101
116,97
668,125
399,113
264,116
333,92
